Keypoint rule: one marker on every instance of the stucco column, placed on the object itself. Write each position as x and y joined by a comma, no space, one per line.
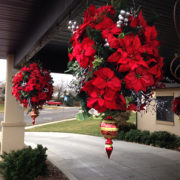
13,124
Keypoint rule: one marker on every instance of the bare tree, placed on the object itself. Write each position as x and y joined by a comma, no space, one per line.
59,90
2,91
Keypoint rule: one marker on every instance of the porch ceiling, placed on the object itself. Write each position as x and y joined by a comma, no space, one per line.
38,29
24,24
165,26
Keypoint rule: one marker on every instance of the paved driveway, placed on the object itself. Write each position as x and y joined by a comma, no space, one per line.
50,115
83,157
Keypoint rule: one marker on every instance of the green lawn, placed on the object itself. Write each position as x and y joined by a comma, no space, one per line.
88,127
132,118
1,107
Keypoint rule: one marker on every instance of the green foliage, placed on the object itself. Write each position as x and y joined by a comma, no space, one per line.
119,4
25,164
89,127
94,34
121,135
178,142
125,127
82,116
73,67
163,139
145,137
133,135
97,62
70,100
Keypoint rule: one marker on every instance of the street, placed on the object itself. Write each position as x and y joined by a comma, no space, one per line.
49,115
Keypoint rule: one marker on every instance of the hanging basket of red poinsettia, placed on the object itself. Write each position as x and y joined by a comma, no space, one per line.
32,87
115,60
176,106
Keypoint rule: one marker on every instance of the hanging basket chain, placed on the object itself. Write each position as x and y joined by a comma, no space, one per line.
174,73
175,20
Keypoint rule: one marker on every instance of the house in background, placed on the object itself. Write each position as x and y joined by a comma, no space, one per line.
159,116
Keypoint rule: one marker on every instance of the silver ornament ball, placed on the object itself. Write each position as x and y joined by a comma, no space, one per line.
122,12
106,45
121,17
118,25
119,22
128,14
126,20
70,22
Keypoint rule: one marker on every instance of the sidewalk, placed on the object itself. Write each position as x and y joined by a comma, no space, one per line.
83,157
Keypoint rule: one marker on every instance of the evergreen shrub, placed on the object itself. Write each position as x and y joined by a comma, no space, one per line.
161,139
25,164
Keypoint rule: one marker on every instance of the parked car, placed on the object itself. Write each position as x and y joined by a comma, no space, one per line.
53,102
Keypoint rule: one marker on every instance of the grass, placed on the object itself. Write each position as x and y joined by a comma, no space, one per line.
132,118
90,126
1,107
51,107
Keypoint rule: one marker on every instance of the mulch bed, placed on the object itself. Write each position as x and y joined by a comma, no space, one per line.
53,173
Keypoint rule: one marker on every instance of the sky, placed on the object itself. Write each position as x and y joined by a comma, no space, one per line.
2,70
57,78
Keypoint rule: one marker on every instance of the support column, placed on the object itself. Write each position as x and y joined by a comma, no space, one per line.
13,124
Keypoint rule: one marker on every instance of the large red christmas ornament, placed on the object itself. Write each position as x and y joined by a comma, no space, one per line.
109,130
34,114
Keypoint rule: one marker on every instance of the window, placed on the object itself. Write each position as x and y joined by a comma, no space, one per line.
163,108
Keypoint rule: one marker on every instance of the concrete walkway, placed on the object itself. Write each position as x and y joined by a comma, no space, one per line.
83,157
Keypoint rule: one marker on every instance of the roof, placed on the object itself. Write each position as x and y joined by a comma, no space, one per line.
38,29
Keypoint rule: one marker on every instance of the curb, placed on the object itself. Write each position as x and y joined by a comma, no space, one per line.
64,171
54,122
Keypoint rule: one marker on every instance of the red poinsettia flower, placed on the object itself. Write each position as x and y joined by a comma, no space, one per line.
138,21
119,103
84,52
150,42
133,107
156,69
139,79
102,91
91,17
103,99
93,14
176,106
111,39
89,14
105,77
107,10
98,99
105,24
129,55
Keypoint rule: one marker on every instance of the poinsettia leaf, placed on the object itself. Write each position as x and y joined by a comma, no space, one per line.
121,35
69,50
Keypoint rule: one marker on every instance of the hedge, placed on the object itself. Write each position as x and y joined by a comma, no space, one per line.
161,139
